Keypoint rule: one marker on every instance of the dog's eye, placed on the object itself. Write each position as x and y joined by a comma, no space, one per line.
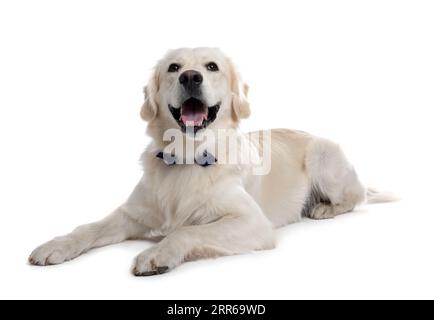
212,66
174,67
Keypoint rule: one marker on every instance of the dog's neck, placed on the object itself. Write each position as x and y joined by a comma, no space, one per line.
186,148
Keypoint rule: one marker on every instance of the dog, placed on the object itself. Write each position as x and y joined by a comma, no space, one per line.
198,205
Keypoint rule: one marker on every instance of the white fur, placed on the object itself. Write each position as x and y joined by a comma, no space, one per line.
222,209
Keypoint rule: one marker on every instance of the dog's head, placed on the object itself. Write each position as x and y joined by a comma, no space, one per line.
195,88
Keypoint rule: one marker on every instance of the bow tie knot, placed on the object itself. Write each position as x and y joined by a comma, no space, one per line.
204,159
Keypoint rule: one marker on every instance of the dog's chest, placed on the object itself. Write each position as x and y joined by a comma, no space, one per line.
186,194
184,180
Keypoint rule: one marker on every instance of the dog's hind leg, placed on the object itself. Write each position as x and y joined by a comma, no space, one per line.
335,187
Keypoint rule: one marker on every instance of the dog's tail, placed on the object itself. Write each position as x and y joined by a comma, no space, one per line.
375,196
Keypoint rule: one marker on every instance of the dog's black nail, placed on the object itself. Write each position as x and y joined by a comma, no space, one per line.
146,273
158,270
163,269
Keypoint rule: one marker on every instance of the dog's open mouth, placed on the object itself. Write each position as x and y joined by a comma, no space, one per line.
194,114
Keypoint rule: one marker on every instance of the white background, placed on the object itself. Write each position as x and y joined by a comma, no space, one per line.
358,72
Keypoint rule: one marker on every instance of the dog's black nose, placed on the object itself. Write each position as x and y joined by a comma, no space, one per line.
190,80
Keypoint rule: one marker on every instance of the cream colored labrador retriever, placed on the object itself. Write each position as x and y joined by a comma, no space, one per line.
200,205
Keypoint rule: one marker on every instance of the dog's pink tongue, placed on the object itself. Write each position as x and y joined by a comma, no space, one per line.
193,118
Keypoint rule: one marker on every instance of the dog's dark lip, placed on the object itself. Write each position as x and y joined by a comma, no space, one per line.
212,115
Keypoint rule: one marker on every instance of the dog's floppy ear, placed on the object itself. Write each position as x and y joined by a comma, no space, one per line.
150,107
240,104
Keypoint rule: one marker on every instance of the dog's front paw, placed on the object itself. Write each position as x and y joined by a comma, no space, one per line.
155,261
56,251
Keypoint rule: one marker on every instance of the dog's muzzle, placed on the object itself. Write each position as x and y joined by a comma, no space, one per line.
195,114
